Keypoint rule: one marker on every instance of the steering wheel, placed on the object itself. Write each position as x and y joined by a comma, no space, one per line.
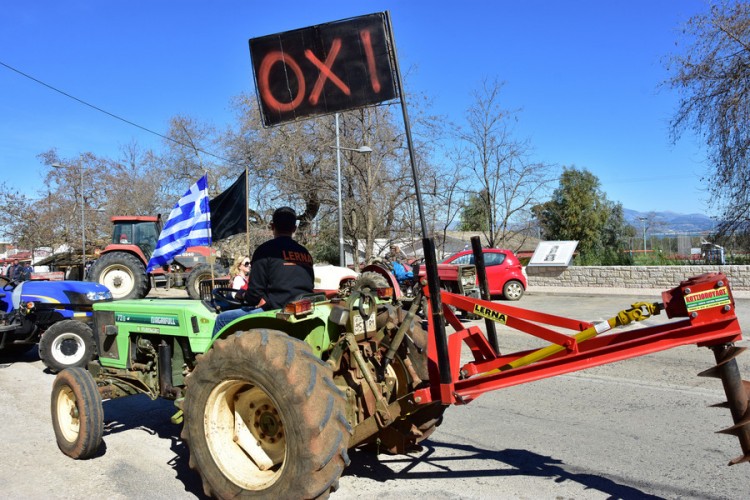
226,295
9,284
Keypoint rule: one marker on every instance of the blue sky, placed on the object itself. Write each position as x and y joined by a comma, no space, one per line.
584,75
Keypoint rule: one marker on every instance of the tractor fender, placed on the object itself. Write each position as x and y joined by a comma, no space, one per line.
131,249
313,324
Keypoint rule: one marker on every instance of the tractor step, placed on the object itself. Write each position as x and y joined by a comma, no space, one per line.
738,395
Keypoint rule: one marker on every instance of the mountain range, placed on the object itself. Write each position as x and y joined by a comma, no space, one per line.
669,222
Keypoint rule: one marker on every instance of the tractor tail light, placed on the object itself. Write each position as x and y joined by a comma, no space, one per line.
385,293
299,308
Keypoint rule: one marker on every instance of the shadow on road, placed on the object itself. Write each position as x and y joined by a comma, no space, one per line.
510,463
25,354
141,413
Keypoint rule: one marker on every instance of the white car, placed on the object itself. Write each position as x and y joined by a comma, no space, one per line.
333,280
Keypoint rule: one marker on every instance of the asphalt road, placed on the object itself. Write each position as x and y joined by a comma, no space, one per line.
640,428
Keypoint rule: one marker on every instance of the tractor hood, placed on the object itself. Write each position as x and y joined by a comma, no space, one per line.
63,292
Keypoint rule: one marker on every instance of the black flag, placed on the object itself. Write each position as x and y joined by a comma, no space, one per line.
229,211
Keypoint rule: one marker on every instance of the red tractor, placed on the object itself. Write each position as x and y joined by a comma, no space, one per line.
122,264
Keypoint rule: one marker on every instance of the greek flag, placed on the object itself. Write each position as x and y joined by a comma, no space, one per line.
189,225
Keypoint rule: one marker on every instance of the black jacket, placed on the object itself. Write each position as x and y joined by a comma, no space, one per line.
281,270
16,273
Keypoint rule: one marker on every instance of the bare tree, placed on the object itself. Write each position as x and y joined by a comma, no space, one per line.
378,187
131,188
27,222
711,73
285,164
295,164
190,151
73,185
445,188
502,167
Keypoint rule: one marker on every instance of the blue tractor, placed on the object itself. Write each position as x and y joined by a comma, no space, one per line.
53,314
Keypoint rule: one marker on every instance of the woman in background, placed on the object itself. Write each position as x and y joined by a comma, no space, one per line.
240,272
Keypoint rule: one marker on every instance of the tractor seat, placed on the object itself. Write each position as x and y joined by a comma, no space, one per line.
313,297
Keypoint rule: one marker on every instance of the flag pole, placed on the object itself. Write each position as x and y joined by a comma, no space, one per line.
211,257
247,210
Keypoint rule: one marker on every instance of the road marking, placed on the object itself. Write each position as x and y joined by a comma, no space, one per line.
659,386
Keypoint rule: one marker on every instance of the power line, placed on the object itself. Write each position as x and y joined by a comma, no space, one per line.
112,115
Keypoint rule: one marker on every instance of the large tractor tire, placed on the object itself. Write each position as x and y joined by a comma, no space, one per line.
199,273
77,413
123,273
67,344
370,280
264,419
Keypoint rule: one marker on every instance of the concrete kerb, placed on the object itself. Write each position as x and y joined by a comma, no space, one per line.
532,290
589,291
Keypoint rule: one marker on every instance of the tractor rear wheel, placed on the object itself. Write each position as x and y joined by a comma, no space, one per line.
124,274
199,273
77,413
369,280
263,418
67,344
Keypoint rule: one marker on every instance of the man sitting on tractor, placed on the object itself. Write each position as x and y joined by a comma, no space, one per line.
280,271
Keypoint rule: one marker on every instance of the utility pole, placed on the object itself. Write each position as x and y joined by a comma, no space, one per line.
643,221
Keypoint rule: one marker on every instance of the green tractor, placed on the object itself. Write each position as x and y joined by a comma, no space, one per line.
273,402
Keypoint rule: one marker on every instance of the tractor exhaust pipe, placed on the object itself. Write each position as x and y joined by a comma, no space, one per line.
166,389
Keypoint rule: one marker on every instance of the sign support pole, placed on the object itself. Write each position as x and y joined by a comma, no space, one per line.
428,243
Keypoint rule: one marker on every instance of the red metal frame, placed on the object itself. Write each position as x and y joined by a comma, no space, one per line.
709,321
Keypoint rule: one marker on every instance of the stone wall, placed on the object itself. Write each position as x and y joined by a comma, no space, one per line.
631,276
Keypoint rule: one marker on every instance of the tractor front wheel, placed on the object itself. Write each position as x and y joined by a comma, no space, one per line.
67,344
77,413
124,274
263,418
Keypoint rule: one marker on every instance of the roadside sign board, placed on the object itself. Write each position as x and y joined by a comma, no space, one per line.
553,253
323,69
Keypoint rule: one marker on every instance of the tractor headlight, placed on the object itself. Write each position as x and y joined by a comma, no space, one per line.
97,296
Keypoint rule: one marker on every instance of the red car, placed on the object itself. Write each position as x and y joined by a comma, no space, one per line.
504,272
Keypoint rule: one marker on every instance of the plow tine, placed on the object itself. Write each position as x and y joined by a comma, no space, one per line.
730,353
739,460
736,429
737,391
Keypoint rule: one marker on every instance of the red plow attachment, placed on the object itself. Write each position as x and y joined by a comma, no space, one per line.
703,313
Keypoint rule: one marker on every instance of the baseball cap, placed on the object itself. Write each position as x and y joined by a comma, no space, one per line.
285,218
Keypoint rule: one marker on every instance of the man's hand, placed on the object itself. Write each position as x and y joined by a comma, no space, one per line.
241,296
